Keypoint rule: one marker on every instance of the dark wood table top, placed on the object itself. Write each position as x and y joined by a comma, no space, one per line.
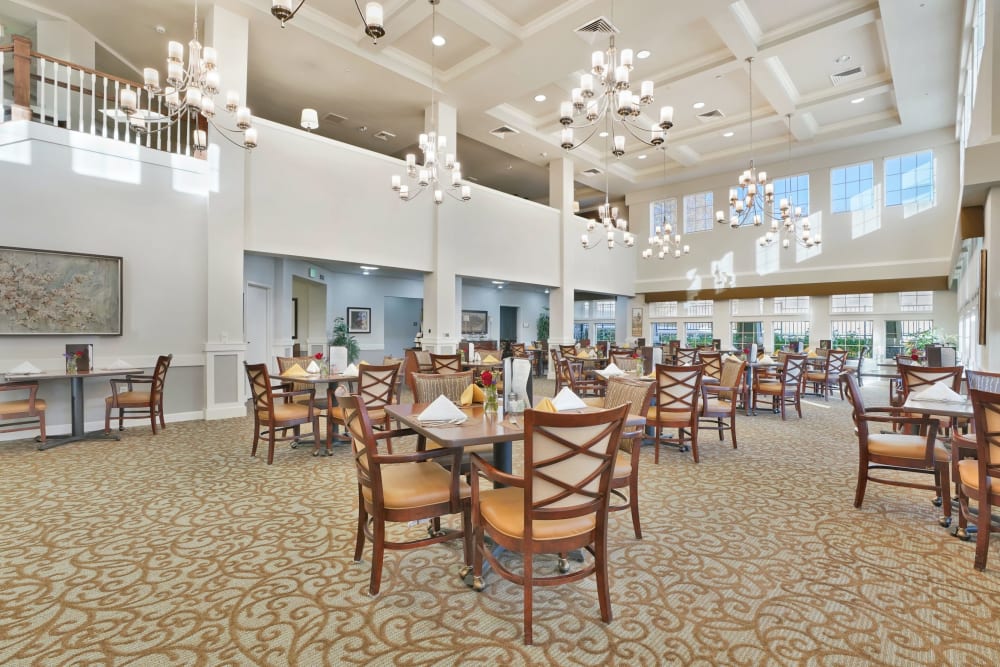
55,375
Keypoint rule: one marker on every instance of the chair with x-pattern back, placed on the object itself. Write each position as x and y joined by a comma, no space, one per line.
377,387
446,363
678,390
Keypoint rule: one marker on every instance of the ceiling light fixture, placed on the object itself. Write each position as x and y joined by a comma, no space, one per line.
643,54
698,105
540,98
663,241
309,119
188,101
372,15
795,225
728,134
438,40
608,217
433,146
605,93
857,100
368,268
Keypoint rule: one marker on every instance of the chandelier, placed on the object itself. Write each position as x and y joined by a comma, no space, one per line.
607,217
664,242
435,158
606,93
189,95
793,224
372,16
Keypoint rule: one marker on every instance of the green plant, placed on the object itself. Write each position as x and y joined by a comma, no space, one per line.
542,325
340,337
930,337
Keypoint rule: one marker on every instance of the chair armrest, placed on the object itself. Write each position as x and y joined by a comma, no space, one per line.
290,394
594,401
396,433
481,467
30,387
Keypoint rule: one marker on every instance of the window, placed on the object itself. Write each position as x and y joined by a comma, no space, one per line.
660,212
851,188
746,334
663,309
916,301
664,332
909,179
604,310
581,331
698,333
796,190
852,335
698,308
791,304
900,333
698,212
791,332
852,303
604,331
746,306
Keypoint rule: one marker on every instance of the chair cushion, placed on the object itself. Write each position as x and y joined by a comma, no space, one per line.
904,446
681,418
774,389
815,376
20,407
284,412
375,416
406,485
129,399
714,406
503,509
968,472
623,466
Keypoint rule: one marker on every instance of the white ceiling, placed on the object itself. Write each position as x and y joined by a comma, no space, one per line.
501,53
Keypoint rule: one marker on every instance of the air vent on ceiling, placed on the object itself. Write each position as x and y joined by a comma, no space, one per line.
595,28
503,131
847,75
714,114
384,135
334,118
593,171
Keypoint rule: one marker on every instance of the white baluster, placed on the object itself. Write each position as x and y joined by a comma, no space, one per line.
104,105
114,125
41,89
93,101
81,127
2,114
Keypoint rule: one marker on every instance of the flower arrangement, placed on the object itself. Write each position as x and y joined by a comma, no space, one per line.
489,380
324,366
72,359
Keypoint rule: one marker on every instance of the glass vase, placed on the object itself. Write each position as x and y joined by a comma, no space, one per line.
71,366
490,403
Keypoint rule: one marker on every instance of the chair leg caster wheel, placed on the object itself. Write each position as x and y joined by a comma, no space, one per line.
563,565
944,521
477,584
937,502
963,534
466,571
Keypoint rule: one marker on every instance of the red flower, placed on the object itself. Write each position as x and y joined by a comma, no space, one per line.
915,355
318,356
746,350
78,354
487,378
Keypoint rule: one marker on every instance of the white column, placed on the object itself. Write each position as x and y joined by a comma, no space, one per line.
991,241
561,299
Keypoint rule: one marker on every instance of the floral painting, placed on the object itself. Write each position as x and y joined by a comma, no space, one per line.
46,292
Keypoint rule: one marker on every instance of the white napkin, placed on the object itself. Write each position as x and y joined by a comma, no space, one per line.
939,391
766,359
313,367
724,358
351,370
442,410
118,365
610,371
567,400
25,368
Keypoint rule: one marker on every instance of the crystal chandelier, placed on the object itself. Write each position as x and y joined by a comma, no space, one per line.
664,242
372,16
791,222
189,95
606,93
435,158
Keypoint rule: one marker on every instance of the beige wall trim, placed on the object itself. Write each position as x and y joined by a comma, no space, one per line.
934,283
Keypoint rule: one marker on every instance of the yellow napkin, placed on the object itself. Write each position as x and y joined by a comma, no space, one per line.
490,359
545,405
472,394
362,362
296,371
583,353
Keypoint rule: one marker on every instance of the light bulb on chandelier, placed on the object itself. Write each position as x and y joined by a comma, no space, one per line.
664,242
373,16
790,222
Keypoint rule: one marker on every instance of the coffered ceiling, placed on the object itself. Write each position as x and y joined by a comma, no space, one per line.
899,60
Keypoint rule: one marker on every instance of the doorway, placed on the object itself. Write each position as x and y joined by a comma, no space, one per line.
508,323
402,322
257,318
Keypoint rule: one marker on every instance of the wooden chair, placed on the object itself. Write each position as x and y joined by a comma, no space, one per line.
567,349
788,389
857,369
560,504
877,450
637,394
377,387
400,488
624,361
286,364
519,350
446,363
428,386
712,361
29,412
826,379
963,445
979,478
677,391
671,352
602,347
573,377
719,401
687,356
135,404
918,378
415,361
277,410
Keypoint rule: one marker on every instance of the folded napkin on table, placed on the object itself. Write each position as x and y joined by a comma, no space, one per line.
472,394
442,410
313,367
118,365
651,375
567,400
610,371
724,358
350,370
295,372
25,368
362,362
546,405
765,360
939,391
490,359
583,353
812,354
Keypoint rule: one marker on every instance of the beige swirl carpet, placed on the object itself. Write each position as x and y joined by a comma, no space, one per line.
180,549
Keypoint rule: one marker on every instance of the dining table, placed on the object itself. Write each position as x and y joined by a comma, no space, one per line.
317,379
752,369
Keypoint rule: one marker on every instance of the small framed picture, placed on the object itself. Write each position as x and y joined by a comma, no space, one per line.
359,320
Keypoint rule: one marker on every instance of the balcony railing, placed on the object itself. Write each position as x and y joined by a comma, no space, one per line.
51,91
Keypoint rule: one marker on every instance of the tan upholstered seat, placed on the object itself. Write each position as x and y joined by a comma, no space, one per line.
130,398
968,475
277,410
979,478
137,404
719,400
407,485
14,408
904,446
504,510
788,390
22,414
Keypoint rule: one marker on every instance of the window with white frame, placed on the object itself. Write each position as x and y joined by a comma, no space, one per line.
581,331
663,212
851,188
662,309
604,310
795,189
909,179
853,336
663,332
604,331
698,308
698,333
899,334
786,333
698,215
852,303
746,334
746,306
784,305
910,302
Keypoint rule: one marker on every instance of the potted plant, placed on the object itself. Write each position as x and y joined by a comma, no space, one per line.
542,326
340,337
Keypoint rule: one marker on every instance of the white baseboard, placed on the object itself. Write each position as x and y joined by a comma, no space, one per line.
66,429
226,411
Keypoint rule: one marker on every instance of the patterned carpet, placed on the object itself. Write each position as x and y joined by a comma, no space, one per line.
181,549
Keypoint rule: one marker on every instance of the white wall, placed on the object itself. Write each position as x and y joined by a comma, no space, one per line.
529,304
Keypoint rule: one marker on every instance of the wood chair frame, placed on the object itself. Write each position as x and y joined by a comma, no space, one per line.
130,404
263,400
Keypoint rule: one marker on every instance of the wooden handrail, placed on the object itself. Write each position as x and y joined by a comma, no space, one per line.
66,63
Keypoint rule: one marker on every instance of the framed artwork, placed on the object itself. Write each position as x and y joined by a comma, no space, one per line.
637,321
44,292
359,320
475,322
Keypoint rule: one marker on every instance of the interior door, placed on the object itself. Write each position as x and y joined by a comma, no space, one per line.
257,316
508,323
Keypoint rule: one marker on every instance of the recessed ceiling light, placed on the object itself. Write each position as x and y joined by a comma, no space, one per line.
438,40
728,134
840,60
857,100
642,55
698,105
368,268
602,135
365,273
497,282
546,291
540,98
642,157
160,30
